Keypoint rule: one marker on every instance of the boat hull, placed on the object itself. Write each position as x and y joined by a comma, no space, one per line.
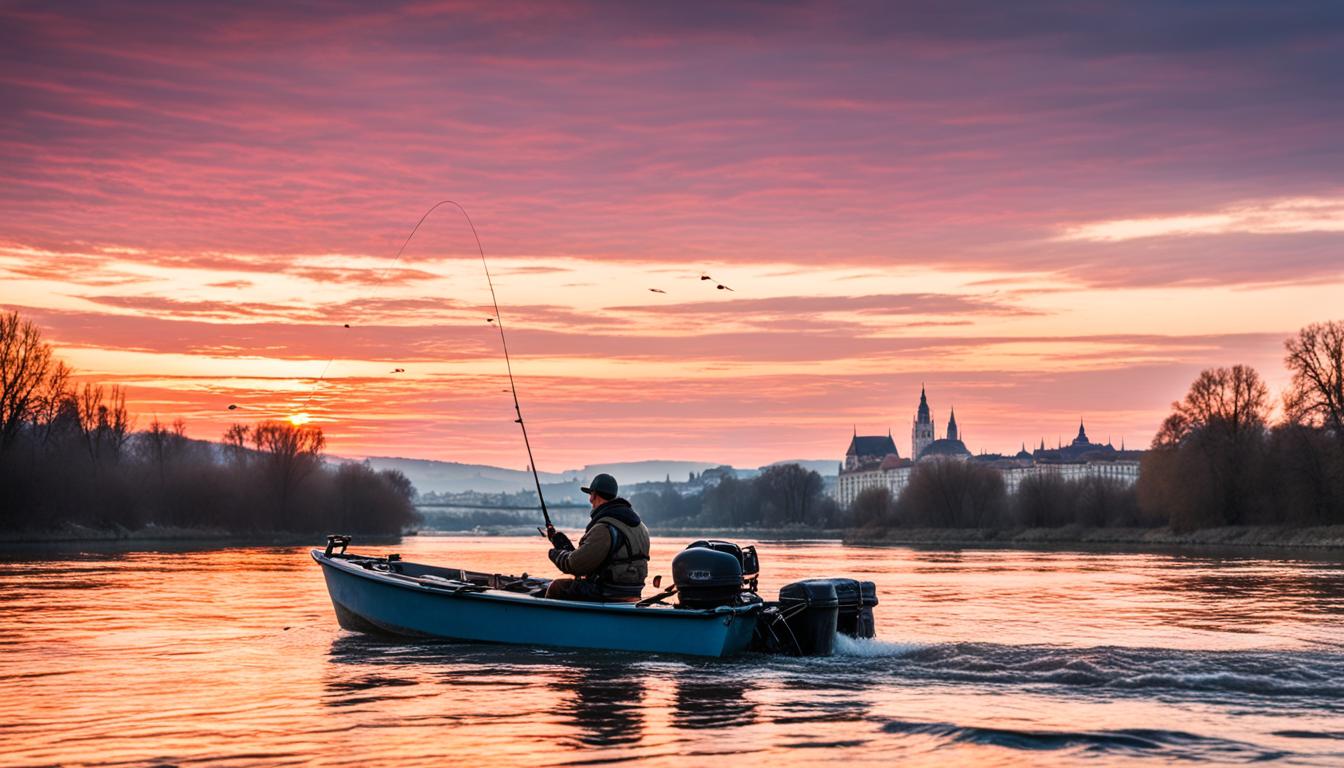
378,602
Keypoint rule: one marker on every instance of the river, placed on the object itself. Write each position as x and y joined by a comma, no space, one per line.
984,657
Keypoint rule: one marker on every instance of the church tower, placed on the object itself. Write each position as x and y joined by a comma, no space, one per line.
1081,440
921,434
952,426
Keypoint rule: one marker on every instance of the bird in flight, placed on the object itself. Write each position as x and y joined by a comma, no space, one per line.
398,370
723,287
347,325
657,290
703,276
489,319
233,407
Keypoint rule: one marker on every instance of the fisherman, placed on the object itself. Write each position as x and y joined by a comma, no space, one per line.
612,559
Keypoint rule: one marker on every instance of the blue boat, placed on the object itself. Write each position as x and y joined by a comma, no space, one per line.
394,597
718,612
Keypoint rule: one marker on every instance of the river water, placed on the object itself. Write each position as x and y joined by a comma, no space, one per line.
984,657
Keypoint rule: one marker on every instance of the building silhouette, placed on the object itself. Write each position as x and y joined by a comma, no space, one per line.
921,432
872,461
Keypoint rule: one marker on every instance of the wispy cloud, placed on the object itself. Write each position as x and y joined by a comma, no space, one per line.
1047,208
1270,217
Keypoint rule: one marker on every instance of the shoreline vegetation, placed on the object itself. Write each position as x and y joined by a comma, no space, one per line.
1326,537
71,460
1219,473
153,535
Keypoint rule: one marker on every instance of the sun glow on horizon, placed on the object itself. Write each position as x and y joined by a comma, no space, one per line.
299,419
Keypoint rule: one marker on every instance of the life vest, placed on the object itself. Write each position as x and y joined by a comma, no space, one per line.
626,567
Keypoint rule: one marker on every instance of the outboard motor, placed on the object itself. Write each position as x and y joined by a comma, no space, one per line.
706,577
848,601
855,601
751,564
809,610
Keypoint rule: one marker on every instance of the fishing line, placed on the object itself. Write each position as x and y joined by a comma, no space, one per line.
503,340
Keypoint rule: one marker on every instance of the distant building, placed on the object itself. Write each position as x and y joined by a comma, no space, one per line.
949,447
921,432
867,450
873,462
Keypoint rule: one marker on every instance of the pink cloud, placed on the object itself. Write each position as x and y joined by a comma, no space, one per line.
242,138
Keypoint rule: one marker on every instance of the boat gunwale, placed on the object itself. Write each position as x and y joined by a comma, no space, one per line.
498,595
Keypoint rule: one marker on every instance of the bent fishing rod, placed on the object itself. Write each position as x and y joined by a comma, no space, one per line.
503,340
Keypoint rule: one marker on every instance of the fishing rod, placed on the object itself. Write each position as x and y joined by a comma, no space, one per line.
508,364
504,342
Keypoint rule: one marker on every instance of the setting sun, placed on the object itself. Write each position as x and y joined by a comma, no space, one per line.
299,419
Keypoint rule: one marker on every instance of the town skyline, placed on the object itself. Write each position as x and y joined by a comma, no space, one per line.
1040,215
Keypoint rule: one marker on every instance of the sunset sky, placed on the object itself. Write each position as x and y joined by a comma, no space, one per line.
1042,214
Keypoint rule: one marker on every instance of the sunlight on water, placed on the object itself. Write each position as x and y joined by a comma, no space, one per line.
983,657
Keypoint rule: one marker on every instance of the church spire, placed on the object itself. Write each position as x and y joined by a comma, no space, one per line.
952,425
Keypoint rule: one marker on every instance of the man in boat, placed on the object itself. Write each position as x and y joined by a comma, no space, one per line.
612,559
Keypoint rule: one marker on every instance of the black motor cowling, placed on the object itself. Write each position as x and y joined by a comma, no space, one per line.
706,577
855,600
746,556
810,609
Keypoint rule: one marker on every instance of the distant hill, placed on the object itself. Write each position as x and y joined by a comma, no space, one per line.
453,477
822,467
630,472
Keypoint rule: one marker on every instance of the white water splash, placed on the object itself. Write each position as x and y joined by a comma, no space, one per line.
872,649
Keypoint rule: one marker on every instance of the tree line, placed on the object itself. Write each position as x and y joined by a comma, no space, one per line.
1218,459
782,496
69,453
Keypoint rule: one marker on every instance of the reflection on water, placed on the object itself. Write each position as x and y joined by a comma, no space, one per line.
603,704
708,699
233,656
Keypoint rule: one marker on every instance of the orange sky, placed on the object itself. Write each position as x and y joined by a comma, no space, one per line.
1041,219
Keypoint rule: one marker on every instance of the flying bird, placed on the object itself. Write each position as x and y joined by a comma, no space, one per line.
723,287
657,290
347,325
489,319
233,407
398,370
703,276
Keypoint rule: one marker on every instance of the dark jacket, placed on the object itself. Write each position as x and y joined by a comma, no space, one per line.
613,552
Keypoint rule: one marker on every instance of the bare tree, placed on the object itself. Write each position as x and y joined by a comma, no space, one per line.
1316,360
56,393
1234,401
1044,501
732,502
165,445
103,421
235,443
872,508
948,493
1213,442
790,492
289,454
25,362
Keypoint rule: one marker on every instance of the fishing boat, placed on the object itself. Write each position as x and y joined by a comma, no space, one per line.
717,612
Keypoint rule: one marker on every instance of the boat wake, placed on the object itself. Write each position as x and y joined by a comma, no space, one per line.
1280,678
1177,745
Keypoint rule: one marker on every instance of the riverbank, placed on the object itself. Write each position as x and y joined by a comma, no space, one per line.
1137,539
1248,536
71,533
